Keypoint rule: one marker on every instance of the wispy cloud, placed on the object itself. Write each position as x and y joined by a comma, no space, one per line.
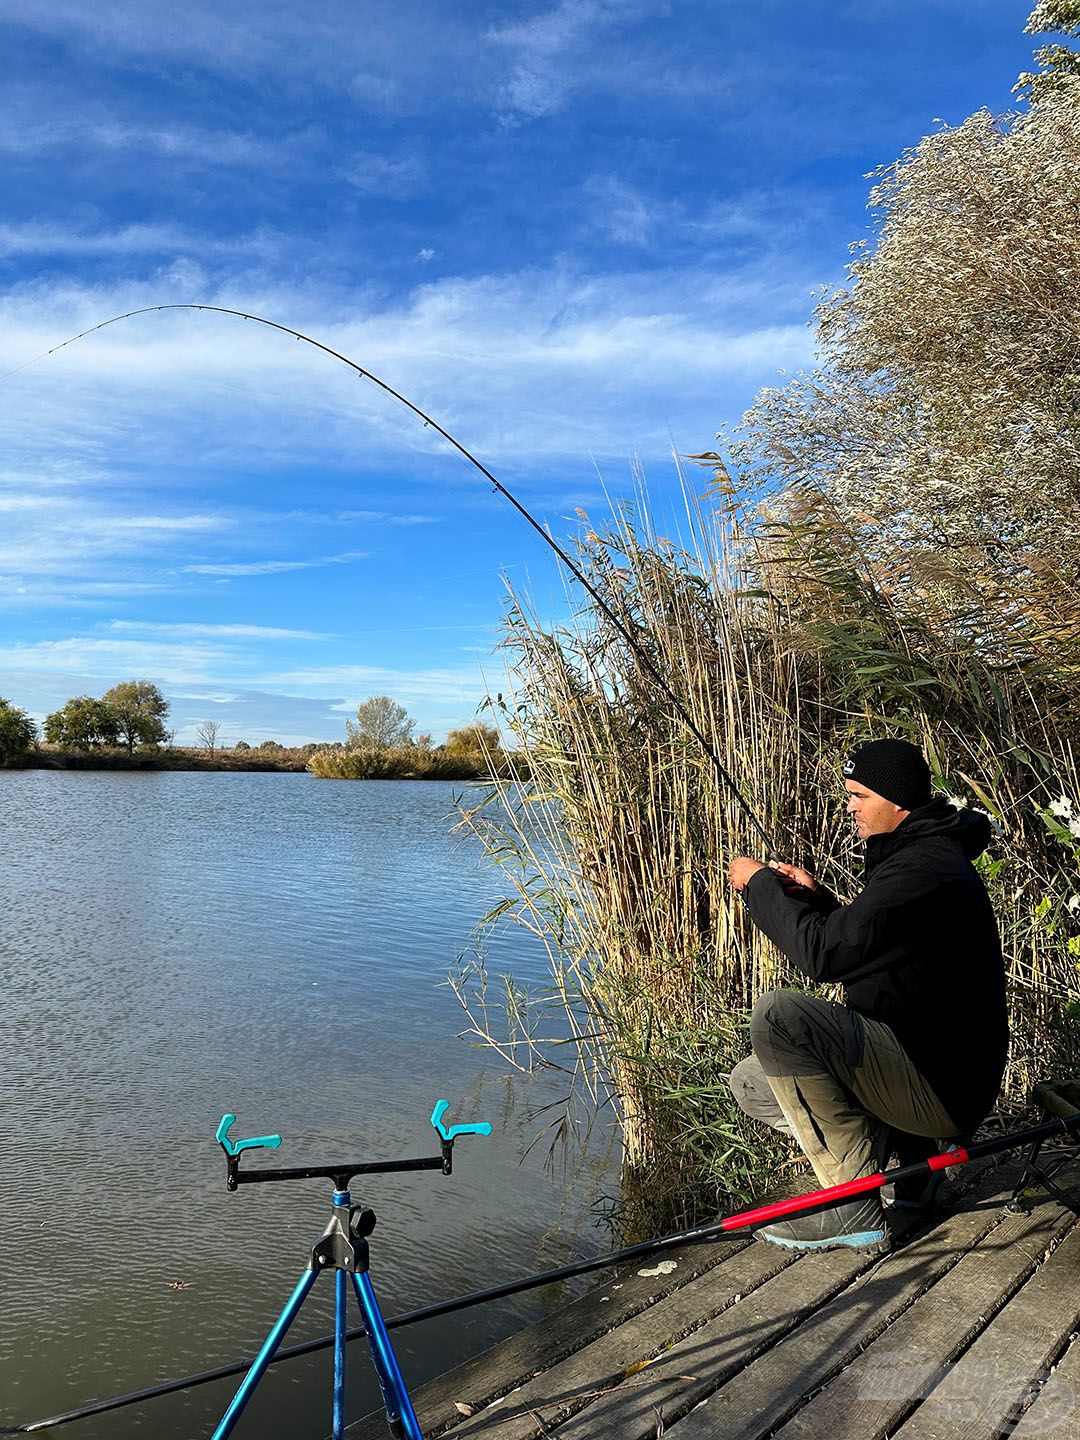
140,239
241,632
541,47
390,57
96,658
447,685
272,567
374,173
538,364
48,535
183,144
384,517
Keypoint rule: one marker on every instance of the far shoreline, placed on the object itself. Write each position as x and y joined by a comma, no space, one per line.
286,762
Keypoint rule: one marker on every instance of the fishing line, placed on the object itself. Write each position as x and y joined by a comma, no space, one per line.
640,654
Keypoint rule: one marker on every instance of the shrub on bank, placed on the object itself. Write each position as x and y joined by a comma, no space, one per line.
404,762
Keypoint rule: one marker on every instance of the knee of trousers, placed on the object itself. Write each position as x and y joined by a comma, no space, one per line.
745,1083
784,1035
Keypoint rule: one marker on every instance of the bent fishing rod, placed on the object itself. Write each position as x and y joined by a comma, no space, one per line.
1064,1123
429,422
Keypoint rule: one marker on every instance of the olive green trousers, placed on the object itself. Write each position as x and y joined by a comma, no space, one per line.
837,1081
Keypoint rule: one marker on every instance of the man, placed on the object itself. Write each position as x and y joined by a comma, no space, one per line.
919,1044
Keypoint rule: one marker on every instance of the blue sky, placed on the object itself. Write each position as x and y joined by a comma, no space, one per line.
581,234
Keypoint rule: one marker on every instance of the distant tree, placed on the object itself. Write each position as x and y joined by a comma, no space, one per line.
381,723
271,745
241,745
83,724
140,710
473,739
17,732
207,734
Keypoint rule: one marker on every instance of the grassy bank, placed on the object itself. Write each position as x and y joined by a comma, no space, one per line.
53,757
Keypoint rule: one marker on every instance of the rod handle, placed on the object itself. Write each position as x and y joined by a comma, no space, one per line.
232,1148
452,1132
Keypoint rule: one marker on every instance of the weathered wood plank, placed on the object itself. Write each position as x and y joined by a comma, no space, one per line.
682,1377
623,1294
984,1390
1054,1414
753,1403
878,1390
577,1381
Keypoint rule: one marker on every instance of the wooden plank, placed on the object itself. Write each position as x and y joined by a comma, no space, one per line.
878,1390
577,1381
984,1390
1054,1413
768,1392
622,1294
681,1378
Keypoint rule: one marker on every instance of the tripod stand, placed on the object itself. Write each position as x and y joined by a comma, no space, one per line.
342,1247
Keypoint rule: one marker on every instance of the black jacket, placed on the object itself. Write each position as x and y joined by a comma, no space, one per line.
918,950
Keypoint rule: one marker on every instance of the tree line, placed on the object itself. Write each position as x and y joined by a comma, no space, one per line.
380,741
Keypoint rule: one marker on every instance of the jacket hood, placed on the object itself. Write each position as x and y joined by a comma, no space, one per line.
970,829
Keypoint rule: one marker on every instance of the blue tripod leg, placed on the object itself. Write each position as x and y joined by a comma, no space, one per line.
265,1355
341,1294
399,1411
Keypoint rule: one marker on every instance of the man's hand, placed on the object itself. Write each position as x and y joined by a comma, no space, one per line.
793,877
742,867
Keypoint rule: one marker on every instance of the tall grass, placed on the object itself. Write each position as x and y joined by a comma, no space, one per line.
405,762
786,646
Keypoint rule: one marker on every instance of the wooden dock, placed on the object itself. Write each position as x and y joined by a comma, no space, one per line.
967,1330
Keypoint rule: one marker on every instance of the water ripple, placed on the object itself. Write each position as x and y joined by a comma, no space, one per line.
177,945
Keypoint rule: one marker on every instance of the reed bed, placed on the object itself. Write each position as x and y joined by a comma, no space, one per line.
786,646
405,762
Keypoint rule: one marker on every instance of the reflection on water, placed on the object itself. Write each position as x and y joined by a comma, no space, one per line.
176,945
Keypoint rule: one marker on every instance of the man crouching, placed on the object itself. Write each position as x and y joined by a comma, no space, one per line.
913,1058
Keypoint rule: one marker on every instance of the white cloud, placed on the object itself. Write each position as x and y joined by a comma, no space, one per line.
47,534
142,239
181,144
447,685
374,173
390,56
623,213
524,367
540,73
384,517
244,632
103,659
272,567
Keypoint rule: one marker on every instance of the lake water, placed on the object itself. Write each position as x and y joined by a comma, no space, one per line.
178,945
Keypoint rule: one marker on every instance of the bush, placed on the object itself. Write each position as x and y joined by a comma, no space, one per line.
17,733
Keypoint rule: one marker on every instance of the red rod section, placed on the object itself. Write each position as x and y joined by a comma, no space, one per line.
845,1191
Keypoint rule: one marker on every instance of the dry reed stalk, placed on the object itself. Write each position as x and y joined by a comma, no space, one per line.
785,643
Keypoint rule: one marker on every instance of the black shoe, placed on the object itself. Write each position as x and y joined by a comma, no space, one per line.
859,1225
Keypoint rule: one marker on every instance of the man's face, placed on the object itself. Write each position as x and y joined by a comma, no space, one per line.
872,813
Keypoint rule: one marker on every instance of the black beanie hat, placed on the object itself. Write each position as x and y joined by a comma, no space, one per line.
894,769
